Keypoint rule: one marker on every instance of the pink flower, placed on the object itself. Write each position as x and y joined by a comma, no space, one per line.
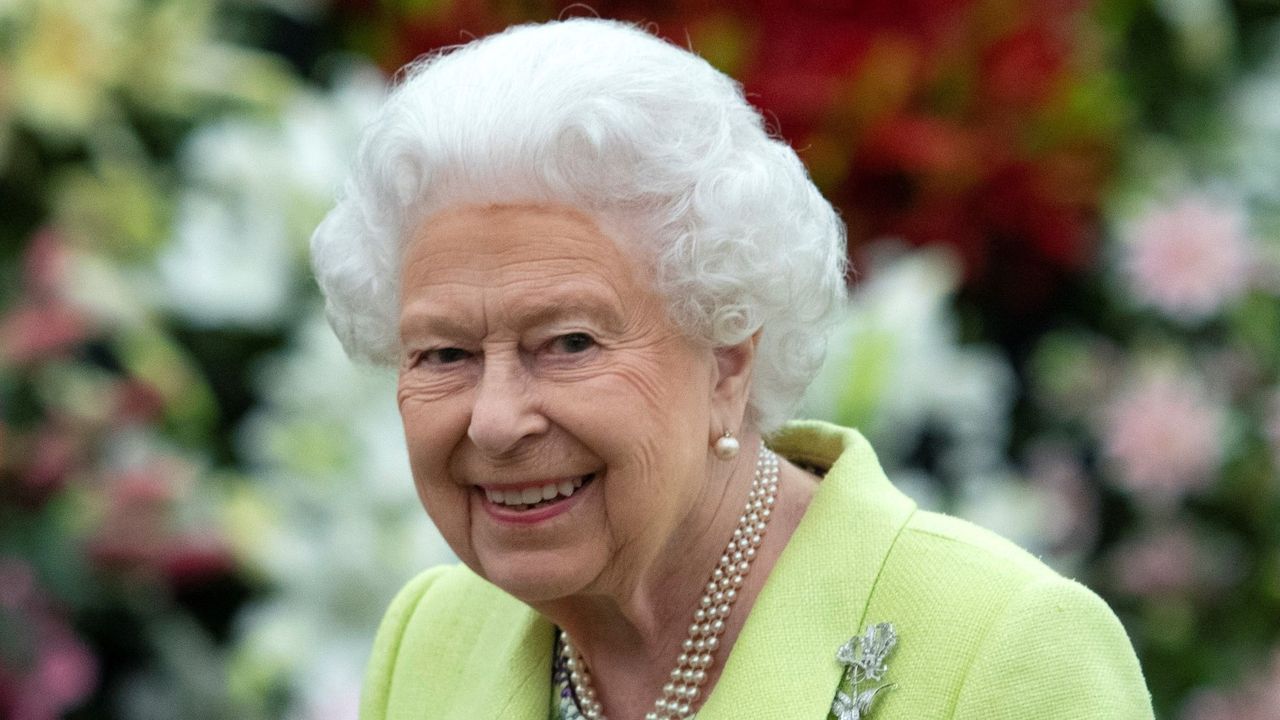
1163,438
52,455
1272,424
141,534
17,584
51,671
33,332
65,674
1189,258
1157,565
45,264
1208,705
1057,471
1257,698
43,322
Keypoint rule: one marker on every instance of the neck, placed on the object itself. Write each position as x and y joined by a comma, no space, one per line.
630,632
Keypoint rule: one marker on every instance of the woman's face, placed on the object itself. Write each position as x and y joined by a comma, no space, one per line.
557,421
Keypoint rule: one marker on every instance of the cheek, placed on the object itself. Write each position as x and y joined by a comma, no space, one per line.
431,429
422,434
665,385
632,415
430,434
654,426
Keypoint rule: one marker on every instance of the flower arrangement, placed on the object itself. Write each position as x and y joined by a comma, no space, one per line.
1065,323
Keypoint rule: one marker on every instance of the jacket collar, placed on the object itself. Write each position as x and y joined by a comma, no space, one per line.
783,663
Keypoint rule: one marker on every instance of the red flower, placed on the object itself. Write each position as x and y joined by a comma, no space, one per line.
932,120
137,402
195,558
1025,68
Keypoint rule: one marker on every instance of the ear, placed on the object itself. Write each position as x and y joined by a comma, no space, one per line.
734,364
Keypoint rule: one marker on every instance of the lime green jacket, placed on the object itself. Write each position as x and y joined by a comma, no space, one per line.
985,631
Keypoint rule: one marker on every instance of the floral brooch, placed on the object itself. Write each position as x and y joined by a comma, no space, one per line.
864,659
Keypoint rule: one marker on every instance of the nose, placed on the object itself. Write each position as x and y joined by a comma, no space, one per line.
504,411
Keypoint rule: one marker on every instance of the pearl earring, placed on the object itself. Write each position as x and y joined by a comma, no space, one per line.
727,446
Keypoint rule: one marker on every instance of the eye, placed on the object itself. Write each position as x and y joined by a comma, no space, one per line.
573,343
444,356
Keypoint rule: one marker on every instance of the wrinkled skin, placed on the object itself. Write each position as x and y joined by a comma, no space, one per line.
534,348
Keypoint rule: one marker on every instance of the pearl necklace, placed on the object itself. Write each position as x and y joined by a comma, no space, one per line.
680,694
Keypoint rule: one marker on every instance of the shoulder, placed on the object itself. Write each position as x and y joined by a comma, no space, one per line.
445,593
942,566
985,629
1013,638
963,552
442,589
435,622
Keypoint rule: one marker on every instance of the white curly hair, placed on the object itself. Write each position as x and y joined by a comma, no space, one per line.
606,118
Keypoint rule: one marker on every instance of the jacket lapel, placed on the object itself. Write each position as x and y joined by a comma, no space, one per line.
512,656
529,697
783,663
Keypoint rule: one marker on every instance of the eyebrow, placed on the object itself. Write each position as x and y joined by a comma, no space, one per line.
428,318
577,306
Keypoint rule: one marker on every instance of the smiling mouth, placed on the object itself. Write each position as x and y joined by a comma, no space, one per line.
532,498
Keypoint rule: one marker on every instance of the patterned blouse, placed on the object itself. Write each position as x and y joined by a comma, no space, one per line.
563,704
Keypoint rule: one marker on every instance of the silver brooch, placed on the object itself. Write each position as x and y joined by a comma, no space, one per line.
864,659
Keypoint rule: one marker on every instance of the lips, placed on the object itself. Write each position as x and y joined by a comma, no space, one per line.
532,497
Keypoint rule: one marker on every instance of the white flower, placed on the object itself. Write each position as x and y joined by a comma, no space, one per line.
895,366
1255,107
255,191
334,522
1203,29
227,264
1006,504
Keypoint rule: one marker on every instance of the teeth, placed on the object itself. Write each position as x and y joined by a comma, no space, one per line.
533,495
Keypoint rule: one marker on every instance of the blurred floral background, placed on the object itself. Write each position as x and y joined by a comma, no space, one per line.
1064,216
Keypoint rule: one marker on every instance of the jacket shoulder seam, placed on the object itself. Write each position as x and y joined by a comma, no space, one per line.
992,624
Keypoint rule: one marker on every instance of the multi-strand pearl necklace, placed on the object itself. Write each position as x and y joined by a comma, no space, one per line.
709,620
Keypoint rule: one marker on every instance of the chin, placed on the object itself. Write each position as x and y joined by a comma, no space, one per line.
542,578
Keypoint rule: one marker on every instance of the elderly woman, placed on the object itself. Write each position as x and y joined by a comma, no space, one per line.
605,287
